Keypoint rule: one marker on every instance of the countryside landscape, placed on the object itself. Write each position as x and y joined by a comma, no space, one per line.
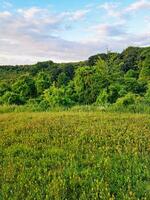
74,116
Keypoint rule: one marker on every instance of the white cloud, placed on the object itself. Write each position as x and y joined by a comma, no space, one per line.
114,10
138,5
31,12
26,36
109,30
35,34
5,14
111,9
79,14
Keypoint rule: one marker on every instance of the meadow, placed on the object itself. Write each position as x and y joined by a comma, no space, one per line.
74,155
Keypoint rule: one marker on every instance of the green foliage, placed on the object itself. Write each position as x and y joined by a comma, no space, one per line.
86,85
102,98
25,87
71,93
87,152
11,98
129,99
130,57
93,59
56,97
114,92
62,79
131,74
147,95
43,81
135,86
4,87
101,80
145,72
103,70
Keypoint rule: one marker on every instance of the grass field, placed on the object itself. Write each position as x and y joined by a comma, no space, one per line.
74,155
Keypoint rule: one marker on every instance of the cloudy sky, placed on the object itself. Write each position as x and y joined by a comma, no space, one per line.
67,30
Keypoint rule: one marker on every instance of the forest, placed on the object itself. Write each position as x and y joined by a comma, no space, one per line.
116,81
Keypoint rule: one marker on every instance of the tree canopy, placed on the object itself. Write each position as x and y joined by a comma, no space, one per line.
103,79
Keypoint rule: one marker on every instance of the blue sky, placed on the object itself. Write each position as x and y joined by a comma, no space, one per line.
66,30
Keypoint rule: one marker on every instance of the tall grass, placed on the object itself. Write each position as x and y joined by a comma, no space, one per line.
74,155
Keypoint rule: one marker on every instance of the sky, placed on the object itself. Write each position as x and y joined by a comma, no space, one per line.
70,30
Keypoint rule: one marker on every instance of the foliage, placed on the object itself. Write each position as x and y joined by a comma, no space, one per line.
114,92
127,100
11,98
25,87
130,57
102,99
4,87
100,80
135,86
62,79
43,81
56,96
147,95
86,85
145,72
131,74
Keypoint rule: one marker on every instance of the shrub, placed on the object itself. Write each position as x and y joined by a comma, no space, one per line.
147,96
102,99
11,98
56,97
127,100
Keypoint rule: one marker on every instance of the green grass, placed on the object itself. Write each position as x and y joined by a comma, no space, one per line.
74,155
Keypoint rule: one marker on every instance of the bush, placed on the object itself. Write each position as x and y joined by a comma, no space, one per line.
11,98
147,96
127,100
56,97
43,105
102,99
130,103
4,87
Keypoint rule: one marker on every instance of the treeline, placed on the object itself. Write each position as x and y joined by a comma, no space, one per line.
121,80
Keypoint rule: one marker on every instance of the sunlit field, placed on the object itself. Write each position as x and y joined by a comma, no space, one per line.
74,155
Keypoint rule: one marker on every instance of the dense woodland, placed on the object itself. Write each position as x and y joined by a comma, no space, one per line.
108,79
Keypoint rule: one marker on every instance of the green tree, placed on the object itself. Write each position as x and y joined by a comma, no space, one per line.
130,58
114,92
56,96
131,74
42,82
25,87
102,72
89,81
86,85
135,86
62,79
70,92
145,72
4,86
147,95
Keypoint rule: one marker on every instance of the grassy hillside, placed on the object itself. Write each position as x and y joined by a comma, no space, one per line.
74,155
